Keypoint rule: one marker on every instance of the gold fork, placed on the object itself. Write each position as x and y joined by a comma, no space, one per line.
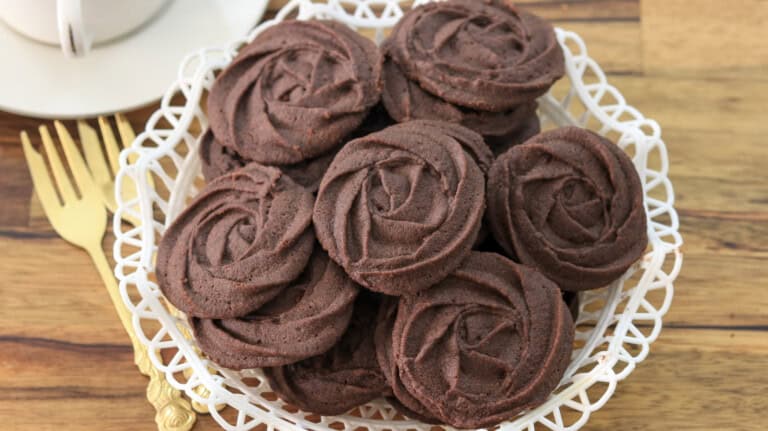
103,174
82,221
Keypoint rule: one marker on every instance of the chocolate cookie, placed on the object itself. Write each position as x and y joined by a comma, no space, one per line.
340,379
525,129
482,55
306,319
295,92
378,119
310,172
238,243
401,400
570,203
218,160
405,101
470,141
489,341
399,209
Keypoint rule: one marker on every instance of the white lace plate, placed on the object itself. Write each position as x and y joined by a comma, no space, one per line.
616,324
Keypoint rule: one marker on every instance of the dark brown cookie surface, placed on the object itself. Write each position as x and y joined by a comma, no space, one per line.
295,92
306,319
218,160
399,209
569,203
241,240
378,118
405,101
470,141
401,399
527,126
489,341
484,55
342,378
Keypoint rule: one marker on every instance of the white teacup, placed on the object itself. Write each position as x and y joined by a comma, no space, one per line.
75,25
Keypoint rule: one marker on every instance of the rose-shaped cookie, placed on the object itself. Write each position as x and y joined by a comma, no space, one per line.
491,340
399,209
405,100
340,379
484,55
376,120
401,399
527,128
307,318
470,141
244,237
218,160
570,203
295,92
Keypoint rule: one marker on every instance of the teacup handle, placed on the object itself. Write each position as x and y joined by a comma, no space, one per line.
73,36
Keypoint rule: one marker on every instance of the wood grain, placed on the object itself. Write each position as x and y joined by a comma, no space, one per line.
65,363
621,53
47,274
93,386
698,104
561,10
693,380
711,38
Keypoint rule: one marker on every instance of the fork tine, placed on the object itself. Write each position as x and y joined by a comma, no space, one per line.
110,143
59,173
127,134
94,156
76,163
40,178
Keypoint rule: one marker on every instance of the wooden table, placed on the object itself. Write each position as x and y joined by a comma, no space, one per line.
699,67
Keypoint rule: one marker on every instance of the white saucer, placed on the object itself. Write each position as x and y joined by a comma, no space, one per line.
37,80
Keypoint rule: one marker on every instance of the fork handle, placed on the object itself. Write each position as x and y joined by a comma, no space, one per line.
172,412
105,271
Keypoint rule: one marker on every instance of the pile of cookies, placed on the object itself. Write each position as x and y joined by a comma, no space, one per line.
390,222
